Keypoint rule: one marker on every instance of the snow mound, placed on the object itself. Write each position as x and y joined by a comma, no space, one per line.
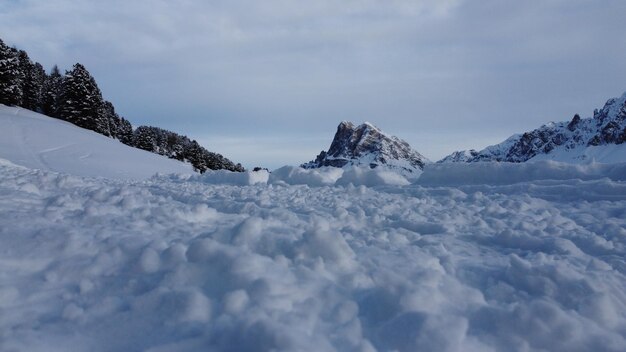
371,177
220,177
293,175
502,173
41,142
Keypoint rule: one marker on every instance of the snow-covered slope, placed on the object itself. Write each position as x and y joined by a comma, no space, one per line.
599,138
37,141
367,145
175,264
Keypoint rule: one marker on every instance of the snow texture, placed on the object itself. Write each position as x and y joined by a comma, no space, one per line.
471,257
185,265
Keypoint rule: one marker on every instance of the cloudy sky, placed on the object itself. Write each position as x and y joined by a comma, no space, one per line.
266,82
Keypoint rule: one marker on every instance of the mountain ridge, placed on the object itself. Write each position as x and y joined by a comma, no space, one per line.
576,140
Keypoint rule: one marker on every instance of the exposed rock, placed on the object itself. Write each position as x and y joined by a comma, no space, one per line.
368,145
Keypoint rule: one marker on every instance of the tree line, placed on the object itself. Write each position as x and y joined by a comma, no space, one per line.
76,98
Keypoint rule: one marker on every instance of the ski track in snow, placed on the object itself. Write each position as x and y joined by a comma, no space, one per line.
173,264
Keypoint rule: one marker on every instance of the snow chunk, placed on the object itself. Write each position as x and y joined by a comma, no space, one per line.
225,177
371,177
324,176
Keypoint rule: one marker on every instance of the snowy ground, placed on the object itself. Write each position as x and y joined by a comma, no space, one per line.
195,263
471,257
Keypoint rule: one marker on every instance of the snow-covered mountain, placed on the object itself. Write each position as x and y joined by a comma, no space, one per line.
367,145
599,138
40,142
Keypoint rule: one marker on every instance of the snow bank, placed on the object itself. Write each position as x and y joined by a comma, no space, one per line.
494,173
371,177
328,176
225,177
293,175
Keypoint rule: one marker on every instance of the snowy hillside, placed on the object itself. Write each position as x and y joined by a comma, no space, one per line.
37,141
366,145
599,138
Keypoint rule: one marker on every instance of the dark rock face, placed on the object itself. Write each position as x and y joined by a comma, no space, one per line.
367,145
607,126
575,121
460,156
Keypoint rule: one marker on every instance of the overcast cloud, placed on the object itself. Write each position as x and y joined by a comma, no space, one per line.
267,82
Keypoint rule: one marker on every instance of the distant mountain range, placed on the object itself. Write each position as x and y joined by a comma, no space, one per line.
600,137
367,145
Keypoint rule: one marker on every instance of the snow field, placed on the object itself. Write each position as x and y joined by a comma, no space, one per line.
187,263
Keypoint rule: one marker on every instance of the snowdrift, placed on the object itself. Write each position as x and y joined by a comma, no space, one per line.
323,176
495,173
293,175
219,177
444,174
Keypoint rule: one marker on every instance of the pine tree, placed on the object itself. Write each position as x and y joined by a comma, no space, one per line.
81,101
145,138
111,118
194,154
10,87
51,94
32,86
125,132
31,80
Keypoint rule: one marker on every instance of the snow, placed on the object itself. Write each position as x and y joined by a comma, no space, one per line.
38,141
470,257
220,177
293,175
608,153
494,173
174,264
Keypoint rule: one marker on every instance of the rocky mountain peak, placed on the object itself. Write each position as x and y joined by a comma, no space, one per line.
366,144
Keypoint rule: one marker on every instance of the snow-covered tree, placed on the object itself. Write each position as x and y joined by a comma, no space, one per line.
125,132
31,80
175,146
10,84
51,94
81,101
112,119
145,138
